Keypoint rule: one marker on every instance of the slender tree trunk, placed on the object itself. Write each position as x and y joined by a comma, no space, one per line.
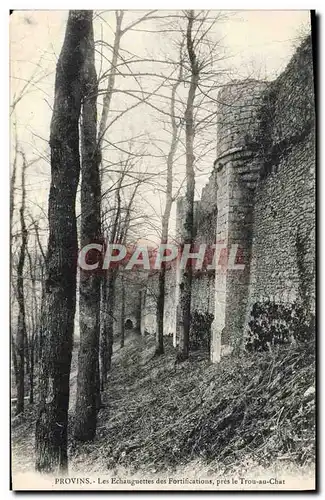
103,335
41,263
41,328
186,274
107,301
110,316
12,192
12,207
88,388
33,316
138,315
27,350
160,310
108,287
60,290
165,220
31,377
14,359
111,81
122,311
21,330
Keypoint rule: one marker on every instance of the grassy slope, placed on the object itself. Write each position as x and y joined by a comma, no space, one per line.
254,410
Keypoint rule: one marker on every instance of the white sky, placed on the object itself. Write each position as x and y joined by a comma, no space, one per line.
257,42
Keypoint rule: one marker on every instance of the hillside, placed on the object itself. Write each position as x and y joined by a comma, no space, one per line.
252,411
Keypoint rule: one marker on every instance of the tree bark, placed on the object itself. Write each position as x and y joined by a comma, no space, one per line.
39,325
138,314
106,336
21,330
122,311
33,335
60,290
110,317
103,334
12,207
108,288
108,280
12,193
88,389
107,325
165,219
111,80
186,274
14,358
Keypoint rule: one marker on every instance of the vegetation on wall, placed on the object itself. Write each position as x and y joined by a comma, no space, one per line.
200,334
285,117
272,324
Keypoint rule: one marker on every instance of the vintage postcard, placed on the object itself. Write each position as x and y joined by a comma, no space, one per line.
163,255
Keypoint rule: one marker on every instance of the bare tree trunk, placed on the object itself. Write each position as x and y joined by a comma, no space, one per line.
27,349
12,207
14,358
138,315
31,379
160,310
107,325
31,366
12,192
60,294
166,217
186,274
21,330
88,389
108,287
33,336
40,324
122,311
108,281
111,80
103,334
110,316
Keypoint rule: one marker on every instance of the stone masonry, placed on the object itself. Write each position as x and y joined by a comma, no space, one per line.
261,197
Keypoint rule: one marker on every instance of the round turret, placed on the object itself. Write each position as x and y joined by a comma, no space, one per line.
238,107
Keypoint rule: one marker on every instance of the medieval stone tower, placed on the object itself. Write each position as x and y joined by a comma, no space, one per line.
237,172
259,204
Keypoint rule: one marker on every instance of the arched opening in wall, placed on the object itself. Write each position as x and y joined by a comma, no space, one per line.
128,324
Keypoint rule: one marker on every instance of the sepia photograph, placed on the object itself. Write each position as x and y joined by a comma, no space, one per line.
162,250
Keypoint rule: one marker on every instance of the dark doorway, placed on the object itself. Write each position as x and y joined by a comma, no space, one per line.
128,324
